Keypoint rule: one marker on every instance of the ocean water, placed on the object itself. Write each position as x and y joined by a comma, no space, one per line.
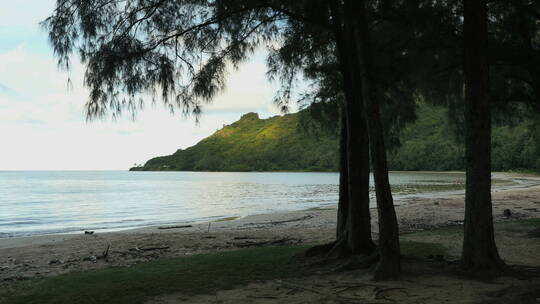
45,202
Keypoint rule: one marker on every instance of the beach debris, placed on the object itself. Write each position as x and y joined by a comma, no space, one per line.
307,217
507,212
244,238
142,249
103,256
18,278
91,258
282,241
175,227
105,253
55,261
88,232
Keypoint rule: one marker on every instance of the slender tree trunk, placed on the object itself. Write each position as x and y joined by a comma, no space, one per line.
389,264
480,253
359,220
357,226
343,204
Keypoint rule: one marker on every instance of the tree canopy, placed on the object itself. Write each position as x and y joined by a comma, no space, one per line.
369,63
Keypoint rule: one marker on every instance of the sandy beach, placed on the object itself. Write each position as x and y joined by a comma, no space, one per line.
38,256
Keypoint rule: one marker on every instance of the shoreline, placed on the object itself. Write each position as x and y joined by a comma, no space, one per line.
48,255
235,223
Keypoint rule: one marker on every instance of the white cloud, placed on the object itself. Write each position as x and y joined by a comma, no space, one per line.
44,127
42,124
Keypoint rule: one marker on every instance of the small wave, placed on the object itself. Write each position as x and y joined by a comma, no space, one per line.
20,223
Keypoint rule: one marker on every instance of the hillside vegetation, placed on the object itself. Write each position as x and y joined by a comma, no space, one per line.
281,143
254,144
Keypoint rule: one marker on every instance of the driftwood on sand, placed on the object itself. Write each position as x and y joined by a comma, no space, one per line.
175,227
103,256
282,241
137,248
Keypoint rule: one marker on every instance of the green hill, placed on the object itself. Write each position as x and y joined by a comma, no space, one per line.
254,144
280,143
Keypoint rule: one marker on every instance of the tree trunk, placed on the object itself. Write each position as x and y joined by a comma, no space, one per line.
389,264
480,253
354,228
343,204
359,219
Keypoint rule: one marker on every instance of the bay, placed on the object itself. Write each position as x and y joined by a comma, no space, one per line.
45,202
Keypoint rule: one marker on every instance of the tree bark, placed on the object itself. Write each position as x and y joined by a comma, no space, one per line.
354,228
359,220
389,265
480,253
343,204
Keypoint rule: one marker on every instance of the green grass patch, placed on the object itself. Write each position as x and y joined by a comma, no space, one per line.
442,231
197,274
519,226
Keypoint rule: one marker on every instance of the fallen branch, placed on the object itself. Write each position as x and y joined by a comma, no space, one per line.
105,253
282,222
137,248
245,238
175,227
264,243
307,217
94,258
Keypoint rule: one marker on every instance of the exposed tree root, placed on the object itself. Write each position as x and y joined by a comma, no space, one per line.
319,250
355,262
337,257
488,269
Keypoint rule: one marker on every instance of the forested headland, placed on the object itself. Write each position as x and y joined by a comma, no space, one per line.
284,143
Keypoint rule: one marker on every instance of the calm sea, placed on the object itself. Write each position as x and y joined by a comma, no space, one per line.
44,202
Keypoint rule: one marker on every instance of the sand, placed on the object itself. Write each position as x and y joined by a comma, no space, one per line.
29,257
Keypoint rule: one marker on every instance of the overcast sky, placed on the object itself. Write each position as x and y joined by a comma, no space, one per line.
42,123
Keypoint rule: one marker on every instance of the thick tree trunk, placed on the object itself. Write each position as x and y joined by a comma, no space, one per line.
354,228
389,264
480,253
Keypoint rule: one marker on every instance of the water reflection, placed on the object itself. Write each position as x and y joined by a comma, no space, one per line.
51,202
